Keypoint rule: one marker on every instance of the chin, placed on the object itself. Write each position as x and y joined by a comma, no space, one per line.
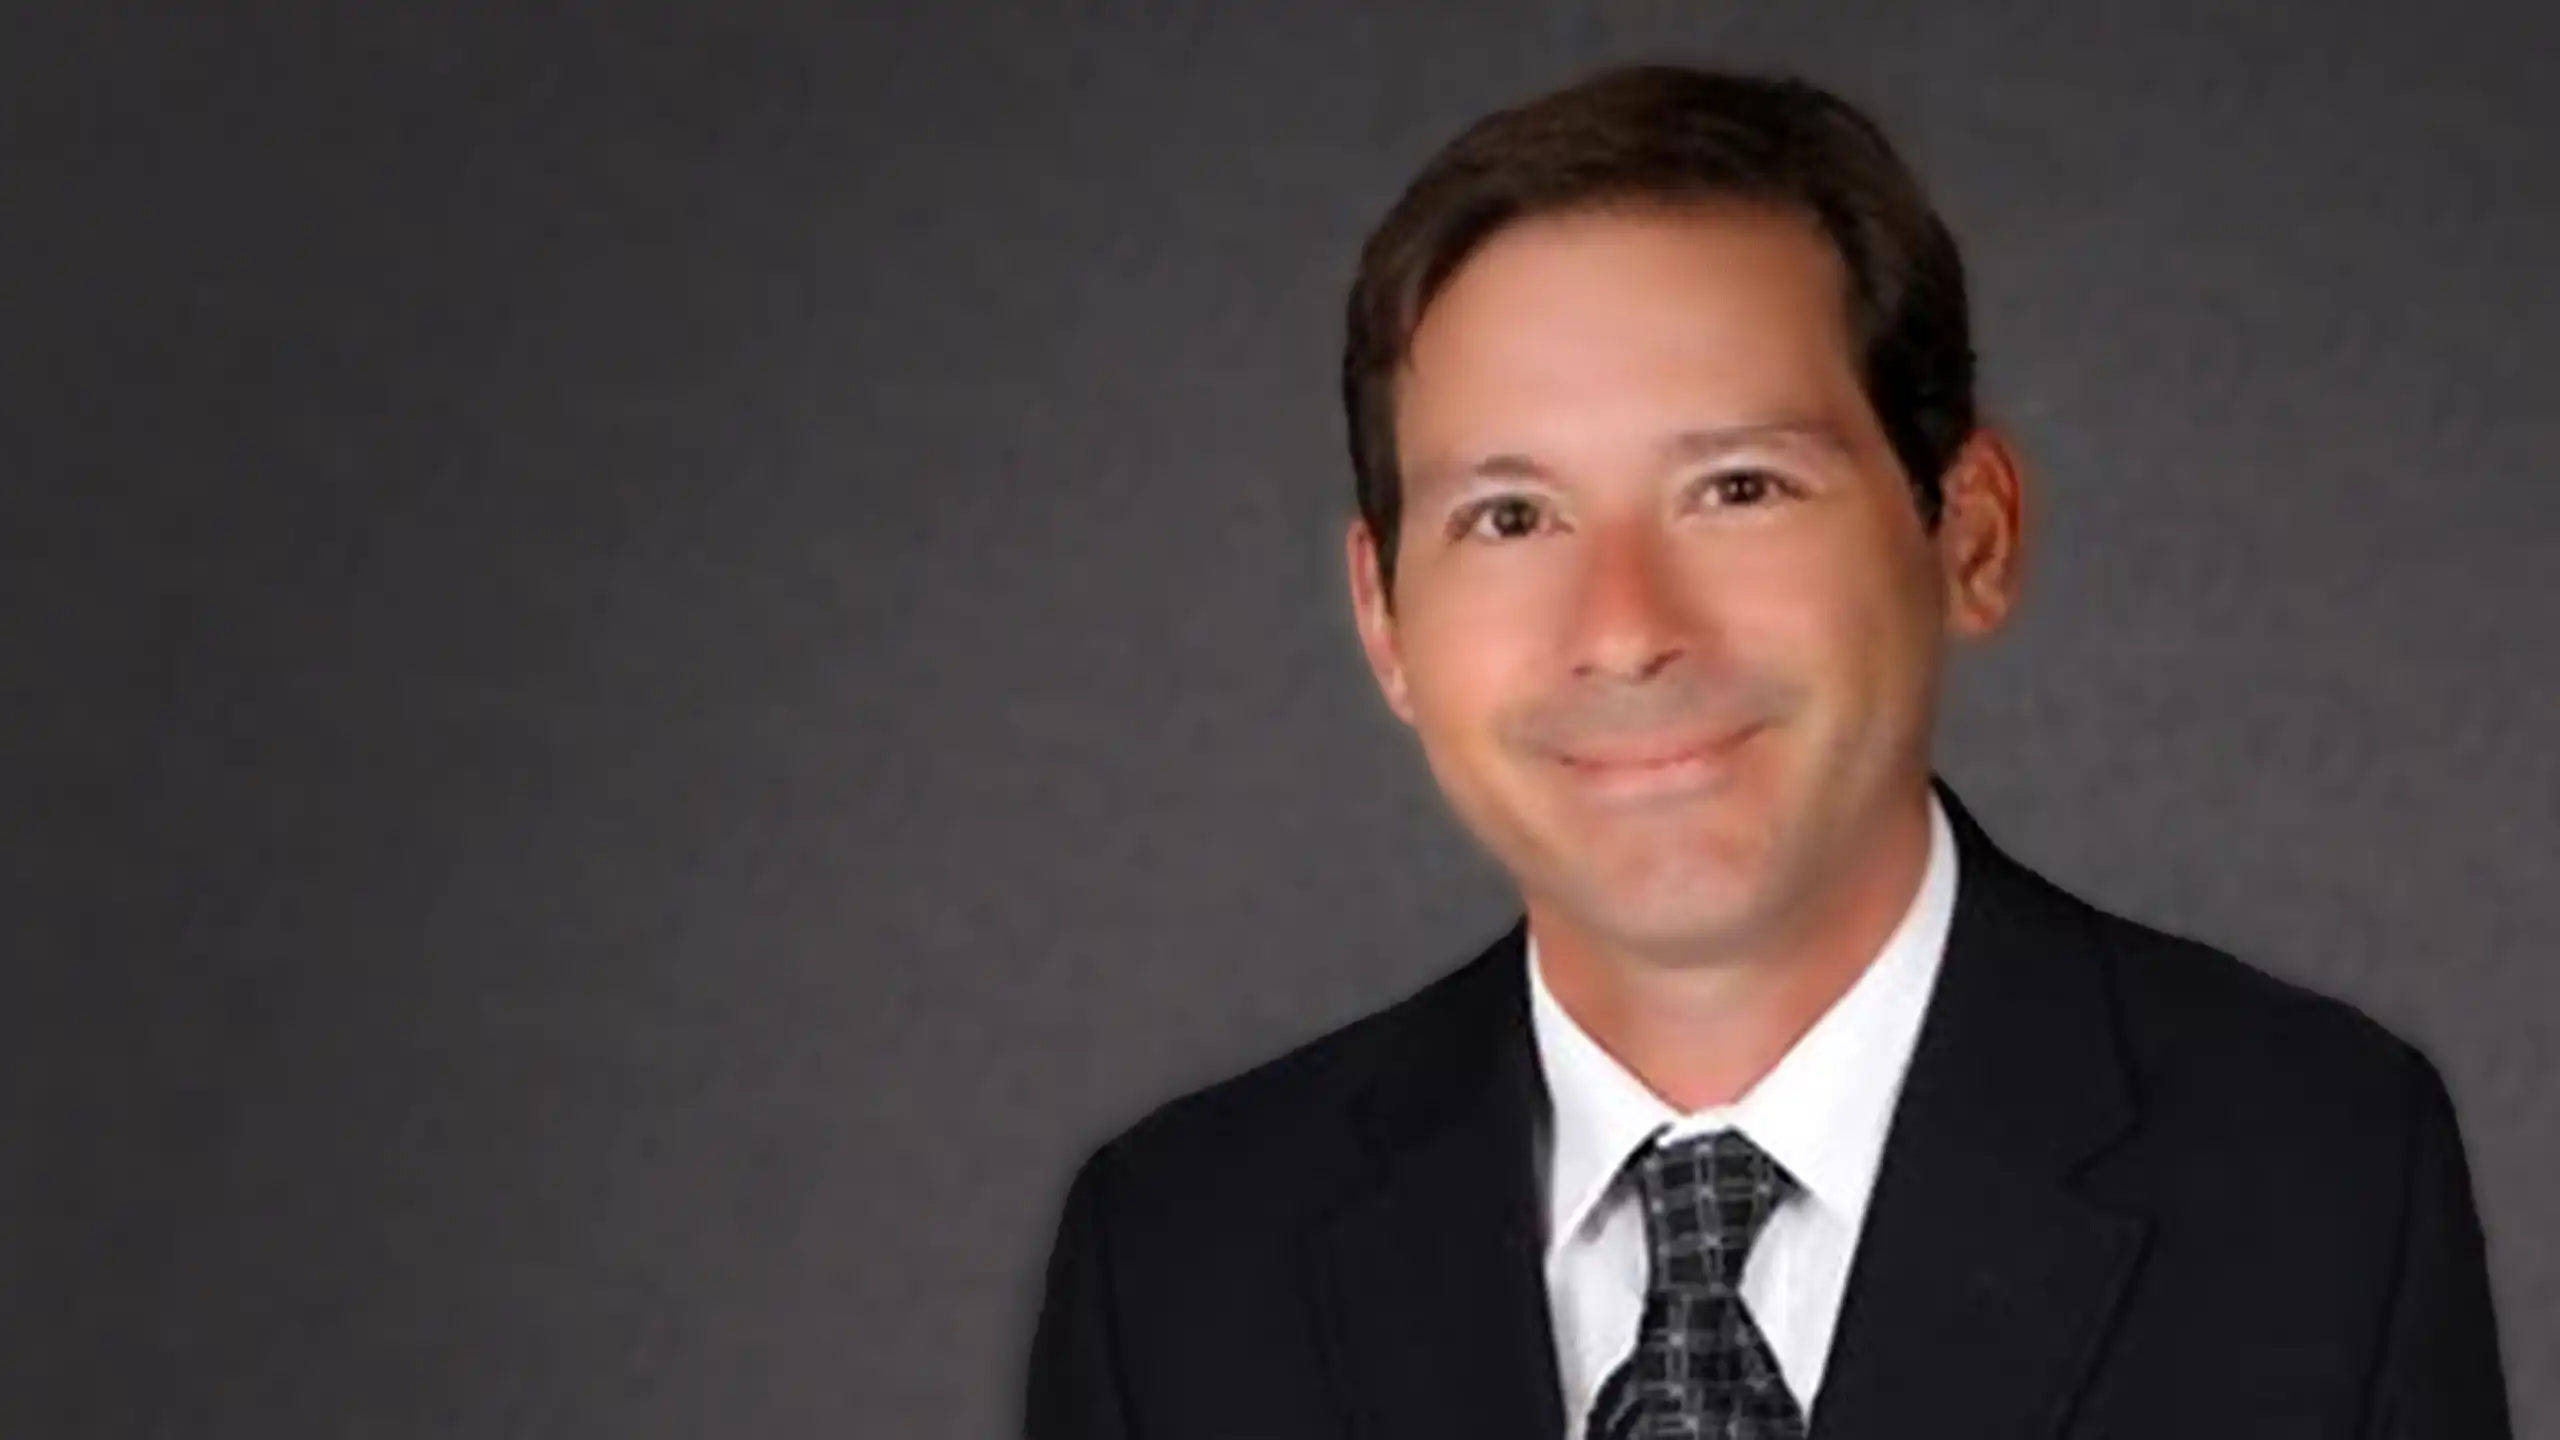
1693,909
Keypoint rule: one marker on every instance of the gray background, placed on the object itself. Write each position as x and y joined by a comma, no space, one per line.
657,658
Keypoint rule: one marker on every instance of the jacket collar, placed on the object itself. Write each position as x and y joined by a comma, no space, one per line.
1982,1284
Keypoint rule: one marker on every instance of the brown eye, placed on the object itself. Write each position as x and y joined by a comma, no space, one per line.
1509,518
1743,488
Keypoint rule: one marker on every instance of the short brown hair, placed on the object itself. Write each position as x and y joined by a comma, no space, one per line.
1671,134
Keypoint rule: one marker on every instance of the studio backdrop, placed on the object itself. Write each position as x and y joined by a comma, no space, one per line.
657,657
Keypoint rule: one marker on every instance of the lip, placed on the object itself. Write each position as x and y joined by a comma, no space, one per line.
1664,765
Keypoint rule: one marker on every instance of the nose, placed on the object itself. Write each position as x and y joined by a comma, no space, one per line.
1627,622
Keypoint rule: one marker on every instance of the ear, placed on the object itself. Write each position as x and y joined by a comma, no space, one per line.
1374,612
1981,534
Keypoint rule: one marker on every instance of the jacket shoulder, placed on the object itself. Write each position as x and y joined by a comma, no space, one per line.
1282,1131
2261,1071
2219,1010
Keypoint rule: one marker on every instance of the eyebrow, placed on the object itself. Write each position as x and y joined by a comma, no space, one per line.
1709,443
1685,447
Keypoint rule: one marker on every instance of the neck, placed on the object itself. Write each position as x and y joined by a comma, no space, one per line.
1701,1025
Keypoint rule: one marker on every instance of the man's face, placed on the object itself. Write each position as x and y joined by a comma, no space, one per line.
1666,618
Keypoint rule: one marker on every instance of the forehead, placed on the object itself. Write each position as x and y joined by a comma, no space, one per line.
1723,311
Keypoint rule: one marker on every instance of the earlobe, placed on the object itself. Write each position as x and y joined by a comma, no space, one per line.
1981,534
1374,615
1391,685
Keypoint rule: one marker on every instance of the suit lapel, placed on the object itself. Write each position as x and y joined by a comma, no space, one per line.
1429,1280
1984,1285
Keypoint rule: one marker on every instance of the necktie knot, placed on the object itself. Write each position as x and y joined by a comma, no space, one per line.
1706,1199
1700,1365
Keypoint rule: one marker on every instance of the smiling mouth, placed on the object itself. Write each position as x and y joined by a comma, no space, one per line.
1635,763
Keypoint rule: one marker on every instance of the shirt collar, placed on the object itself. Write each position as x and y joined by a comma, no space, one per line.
1822,1112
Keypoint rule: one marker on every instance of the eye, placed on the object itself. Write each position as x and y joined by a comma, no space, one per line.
1505,517
1743,489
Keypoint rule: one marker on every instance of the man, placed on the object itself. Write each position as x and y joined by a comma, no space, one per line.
1793,1105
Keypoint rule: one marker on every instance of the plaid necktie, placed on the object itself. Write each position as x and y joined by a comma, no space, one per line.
1700,1369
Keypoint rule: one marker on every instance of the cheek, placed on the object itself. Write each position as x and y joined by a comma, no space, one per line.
1469,663
1457,684
1837,617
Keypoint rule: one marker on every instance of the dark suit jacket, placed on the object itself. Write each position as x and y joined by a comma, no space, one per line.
2132,1188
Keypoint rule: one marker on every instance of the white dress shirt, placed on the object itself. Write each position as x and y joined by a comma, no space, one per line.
1821,1113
